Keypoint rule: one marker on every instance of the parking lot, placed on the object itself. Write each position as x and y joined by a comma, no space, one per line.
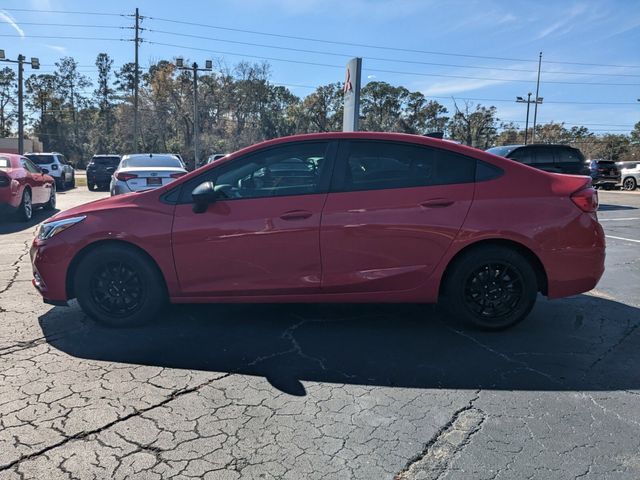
323,391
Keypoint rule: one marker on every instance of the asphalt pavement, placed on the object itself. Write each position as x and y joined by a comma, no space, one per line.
323,391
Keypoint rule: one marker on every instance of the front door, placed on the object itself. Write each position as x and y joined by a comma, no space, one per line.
392,212
262,236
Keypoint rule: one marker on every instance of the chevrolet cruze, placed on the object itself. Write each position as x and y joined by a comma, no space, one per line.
337,217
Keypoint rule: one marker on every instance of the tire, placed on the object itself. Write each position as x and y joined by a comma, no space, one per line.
135,291
51,204
59,184
472,294
90,186
72,184
25,210
630,183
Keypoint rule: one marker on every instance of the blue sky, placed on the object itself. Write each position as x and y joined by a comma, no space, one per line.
593,34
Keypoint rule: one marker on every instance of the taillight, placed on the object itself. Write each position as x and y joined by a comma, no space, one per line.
125,176
178,174
4,180
586,199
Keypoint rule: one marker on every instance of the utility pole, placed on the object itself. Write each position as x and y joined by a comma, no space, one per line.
194,68
535,109
35,64
136,82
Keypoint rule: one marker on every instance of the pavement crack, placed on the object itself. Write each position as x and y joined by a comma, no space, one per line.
16,265
447,442
136,413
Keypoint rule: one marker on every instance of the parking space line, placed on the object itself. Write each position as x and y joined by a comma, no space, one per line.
618,219
622,238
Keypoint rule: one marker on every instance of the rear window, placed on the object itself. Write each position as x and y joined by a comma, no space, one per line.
110,161
41,159
152,162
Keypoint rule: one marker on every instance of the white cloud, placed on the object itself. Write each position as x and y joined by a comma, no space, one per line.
458,86
57,48
6,17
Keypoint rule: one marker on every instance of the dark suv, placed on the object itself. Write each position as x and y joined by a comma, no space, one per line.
547,157
604,173
100,170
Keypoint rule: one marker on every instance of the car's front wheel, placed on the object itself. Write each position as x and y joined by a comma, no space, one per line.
491,287
118,286
630,183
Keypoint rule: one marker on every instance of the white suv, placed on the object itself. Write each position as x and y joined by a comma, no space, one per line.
630,176
55,165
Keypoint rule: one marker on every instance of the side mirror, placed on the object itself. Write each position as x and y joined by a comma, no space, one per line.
44,170
203,195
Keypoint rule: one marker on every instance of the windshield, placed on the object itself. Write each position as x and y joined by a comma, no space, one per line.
502,151
41,159
171,162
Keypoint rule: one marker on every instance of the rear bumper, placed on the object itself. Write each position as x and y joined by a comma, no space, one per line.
576,269
102,178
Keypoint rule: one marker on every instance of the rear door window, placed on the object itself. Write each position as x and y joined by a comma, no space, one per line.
544,155
523,155
371,165
568,155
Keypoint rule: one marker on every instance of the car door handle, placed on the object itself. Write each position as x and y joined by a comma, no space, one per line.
296,215
437,203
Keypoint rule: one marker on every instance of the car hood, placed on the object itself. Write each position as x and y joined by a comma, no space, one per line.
127,200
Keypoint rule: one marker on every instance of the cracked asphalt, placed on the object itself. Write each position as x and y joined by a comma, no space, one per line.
323,391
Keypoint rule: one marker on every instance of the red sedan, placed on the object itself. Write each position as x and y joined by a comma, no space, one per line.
338,217
23,187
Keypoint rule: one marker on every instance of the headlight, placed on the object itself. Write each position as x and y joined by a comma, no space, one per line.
49,229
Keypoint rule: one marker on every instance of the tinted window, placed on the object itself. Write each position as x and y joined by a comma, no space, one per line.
151,162
294,169
543,155
523,155
109,161
382,165
569,155
41,159
30,167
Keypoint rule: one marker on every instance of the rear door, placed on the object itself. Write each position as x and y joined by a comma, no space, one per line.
392,212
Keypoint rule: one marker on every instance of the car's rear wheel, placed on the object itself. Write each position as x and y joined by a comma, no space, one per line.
25,211
51,204
119,287
491,287
59,184
630,183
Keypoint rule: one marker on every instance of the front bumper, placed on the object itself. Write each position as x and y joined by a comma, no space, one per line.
49,264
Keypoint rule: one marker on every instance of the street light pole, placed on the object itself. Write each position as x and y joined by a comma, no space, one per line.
194,69
35,64
528,101
535,110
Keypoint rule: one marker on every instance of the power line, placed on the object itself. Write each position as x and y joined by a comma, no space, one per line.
397,72
381,47
510,100
70,12
395,60
64,37
71,25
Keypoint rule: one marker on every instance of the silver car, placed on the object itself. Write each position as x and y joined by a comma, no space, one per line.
145,171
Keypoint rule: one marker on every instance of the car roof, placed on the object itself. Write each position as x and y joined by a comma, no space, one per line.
106,155
559,145
43,153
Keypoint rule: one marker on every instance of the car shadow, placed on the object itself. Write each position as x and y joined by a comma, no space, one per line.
9,224
564,345
604,207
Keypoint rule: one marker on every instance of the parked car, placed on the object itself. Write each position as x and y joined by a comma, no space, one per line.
144,171
604,173
55,165
334,217
100,171
547,157
216,157
23,187
630,176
